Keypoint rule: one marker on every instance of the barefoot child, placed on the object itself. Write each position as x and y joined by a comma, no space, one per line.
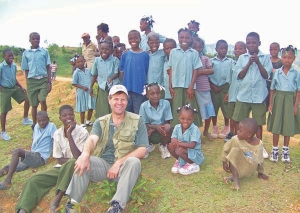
185,143
11,88
203,88
40,150
82,78
243,154
284,101
157,115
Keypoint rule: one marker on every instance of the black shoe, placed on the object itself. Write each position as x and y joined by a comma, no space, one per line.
228,137
115,208
70,208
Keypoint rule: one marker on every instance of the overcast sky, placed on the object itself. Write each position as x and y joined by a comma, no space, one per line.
64,21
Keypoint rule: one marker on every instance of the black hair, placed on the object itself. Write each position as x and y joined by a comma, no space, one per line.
185,30
148,86
64,107
149,20
253,34
194,22
134,31
116,37
221,42
42,114
109,43
54,62
186,107
104,27
289,48
119,45
250,124
275,44
196,38
6,51
33,33
242,43
170,40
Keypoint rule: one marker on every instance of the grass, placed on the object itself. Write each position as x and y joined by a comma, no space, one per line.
159,190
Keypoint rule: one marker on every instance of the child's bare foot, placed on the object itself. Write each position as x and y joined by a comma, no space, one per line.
54,207
2,172
208,136
235,186
4,185
228,180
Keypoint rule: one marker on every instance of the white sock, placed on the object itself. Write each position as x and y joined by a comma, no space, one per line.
73,201
87,121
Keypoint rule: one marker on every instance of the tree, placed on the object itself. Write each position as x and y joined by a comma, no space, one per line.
53,49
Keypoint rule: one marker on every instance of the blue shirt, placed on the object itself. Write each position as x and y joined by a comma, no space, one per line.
234,82
166,79
222,70
153,116
104,69
82,78
287,83
43,140
183,64
144,41
36,62
253,87
135,67
8,75
156,67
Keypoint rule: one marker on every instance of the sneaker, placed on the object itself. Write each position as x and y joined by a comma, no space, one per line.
5,136
224,132
115,208
168,154
228,136
265,153
70,208
89,123
274,155
83,125
149,149
215,132
27,121
188,169
285,155
164,152
175,167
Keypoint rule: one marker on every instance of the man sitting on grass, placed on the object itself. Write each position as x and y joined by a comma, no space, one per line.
40,150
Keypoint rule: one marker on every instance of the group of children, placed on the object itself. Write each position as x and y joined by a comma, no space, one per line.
176,80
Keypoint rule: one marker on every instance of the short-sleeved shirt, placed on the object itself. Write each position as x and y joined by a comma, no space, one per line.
43,140
191,134
156,116
283,82
104,69
202,83
8,75
53,67
36,62
61,146
222,70
144,41
88,52
183,64
82,78
156,67
253,87
166,79
234,82
141,139
135,67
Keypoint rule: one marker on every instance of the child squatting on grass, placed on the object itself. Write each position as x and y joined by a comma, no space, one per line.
243,154
185,143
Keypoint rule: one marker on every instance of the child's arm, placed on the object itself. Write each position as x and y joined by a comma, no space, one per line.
92,84
244,71
214,87
172,92
158,128
207,71
113,77
190,91
271,101
49,85
296,103
19,85
190,145
261,68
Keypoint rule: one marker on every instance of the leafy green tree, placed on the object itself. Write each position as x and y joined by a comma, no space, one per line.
53,50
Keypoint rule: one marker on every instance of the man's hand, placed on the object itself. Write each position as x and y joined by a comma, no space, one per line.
81,164
114,170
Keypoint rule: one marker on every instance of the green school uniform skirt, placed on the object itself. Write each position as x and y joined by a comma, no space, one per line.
102,106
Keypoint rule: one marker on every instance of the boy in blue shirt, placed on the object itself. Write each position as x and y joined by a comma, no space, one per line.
36,63
40,150
253,68
11,88
133,70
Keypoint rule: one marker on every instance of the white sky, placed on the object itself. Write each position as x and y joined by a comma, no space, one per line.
64,21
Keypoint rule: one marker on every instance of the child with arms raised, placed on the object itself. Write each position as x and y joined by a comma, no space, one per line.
253,68
133,71
284,101
239,49
222,66
157,115
185,143
82,78
184,63
243,154
105,71
203,88
11,88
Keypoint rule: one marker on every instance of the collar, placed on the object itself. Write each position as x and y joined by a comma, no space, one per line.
280,70
109,58
216,57
179,48
149,104
258,54
37,49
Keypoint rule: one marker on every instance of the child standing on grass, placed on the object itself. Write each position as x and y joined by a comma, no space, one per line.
239,49
243,154
157,115
105,71
169,44
203,88
284,101
133,71
222,66
40,150
184,63
185,143
11,88
82,78
253,68
36,63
